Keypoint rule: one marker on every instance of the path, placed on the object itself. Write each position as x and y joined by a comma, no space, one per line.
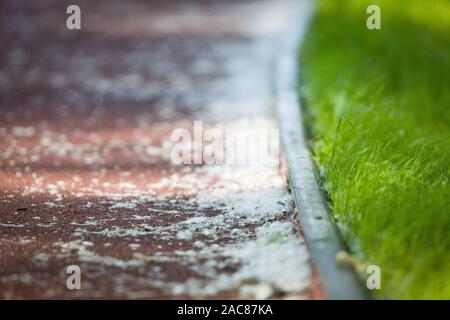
85,171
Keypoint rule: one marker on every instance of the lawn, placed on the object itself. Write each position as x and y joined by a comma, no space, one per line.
378,110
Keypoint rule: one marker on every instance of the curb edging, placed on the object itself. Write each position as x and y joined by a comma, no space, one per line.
339,282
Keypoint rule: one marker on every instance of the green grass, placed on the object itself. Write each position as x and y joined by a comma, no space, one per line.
378,104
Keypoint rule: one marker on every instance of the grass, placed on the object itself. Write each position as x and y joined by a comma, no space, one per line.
378,104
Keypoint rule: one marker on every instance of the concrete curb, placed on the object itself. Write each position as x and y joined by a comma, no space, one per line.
339,282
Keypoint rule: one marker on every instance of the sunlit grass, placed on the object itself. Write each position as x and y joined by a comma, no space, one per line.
378,103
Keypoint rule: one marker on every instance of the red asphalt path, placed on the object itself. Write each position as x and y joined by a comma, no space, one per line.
85,171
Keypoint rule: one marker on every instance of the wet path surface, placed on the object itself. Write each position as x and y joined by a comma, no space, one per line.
86,176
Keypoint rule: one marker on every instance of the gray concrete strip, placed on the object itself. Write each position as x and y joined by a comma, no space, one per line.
339,281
